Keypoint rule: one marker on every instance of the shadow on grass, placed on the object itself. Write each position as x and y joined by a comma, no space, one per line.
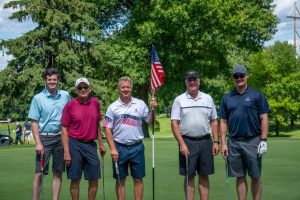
281,135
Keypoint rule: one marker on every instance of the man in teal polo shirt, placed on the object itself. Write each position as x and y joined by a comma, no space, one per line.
45,113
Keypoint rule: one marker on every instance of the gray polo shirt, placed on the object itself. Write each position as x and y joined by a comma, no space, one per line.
194,114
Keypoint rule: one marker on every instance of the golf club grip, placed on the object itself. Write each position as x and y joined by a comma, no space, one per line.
117,168
42,164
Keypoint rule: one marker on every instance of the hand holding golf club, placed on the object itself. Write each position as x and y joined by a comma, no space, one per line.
67,158
184,150
262,148
102,149
114,154
224,151
39,148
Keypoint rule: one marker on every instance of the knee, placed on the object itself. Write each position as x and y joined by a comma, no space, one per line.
137,181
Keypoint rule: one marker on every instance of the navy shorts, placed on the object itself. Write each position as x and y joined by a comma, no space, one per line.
132,156
52,147
84,158
242,157
200,159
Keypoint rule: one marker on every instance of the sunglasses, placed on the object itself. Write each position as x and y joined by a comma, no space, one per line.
84,88
192,79
236,76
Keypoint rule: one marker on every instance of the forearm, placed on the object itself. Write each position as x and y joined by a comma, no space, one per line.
110,139
35,131
65,139
99,136
214,129
223,130
264,125
176,132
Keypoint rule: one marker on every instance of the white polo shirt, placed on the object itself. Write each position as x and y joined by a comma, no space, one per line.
194,114
126,120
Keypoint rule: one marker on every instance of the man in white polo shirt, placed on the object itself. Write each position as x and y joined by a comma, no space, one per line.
123,130
193,120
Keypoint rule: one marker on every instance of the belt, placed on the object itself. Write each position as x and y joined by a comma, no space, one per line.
50,133
205,137
130,143
243,138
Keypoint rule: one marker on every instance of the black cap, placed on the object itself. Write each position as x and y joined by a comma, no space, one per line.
192,73
239,69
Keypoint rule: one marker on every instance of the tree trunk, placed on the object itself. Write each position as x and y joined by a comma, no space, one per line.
142,92
292,120
277,127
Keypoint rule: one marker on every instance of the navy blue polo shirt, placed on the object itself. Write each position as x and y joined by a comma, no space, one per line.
242,112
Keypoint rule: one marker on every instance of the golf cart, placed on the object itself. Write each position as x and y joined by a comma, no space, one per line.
5,138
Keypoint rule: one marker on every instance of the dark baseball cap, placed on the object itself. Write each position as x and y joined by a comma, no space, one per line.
239,69
192,73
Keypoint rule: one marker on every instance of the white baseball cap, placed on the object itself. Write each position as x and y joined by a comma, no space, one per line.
82,80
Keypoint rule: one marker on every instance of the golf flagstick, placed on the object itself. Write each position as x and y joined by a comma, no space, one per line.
42,171
119,180
102,167
153,137
187,176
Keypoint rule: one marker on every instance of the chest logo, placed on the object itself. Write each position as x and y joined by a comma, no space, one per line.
247,99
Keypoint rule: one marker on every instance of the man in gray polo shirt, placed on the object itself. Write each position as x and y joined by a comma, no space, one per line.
193,119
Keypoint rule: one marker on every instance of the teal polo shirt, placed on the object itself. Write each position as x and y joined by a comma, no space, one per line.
47,109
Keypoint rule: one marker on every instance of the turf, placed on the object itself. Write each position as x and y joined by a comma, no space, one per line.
281,174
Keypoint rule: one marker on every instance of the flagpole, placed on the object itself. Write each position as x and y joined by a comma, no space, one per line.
153,136
153,139
157,79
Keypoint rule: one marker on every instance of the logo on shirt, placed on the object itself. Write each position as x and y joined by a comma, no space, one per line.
247,99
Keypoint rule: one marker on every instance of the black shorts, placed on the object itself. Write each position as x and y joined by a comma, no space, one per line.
200,159
52,147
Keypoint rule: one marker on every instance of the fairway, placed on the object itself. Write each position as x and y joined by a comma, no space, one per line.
281,174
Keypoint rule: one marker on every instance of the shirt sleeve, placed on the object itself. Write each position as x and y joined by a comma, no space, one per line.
175,113
213,114
34,111
223,112
65,119
263,106
108,118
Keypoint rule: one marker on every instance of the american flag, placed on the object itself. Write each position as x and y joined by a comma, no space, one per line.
157,72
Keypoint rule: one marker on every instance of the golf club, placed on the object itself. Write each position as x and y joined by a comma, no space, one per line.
226,178
102,166
119,180
42,171
187,175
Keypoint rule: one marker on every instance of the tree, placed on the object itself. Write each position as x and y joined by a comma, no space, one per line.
105,40
276,71
65,37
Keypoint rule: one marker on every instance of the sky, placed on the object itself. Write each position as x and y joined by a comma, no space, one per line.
10,29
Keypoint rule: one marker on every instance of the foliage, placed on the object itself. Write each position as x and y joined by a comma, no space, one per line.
276,71
104,40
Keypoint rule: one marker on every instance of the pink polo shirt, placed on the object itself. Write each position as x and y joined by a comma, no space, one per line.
82,119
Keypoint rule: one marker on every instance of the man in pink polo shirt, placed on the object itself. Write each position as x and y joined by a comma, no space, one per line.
80,128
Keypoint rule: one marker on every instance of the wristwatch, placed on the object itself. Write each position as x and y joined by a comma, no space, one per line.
263,139
217,142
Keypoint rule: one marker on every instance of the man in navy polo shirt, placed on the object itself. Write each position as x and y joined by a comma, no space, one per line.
123,130
244,111
80,128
